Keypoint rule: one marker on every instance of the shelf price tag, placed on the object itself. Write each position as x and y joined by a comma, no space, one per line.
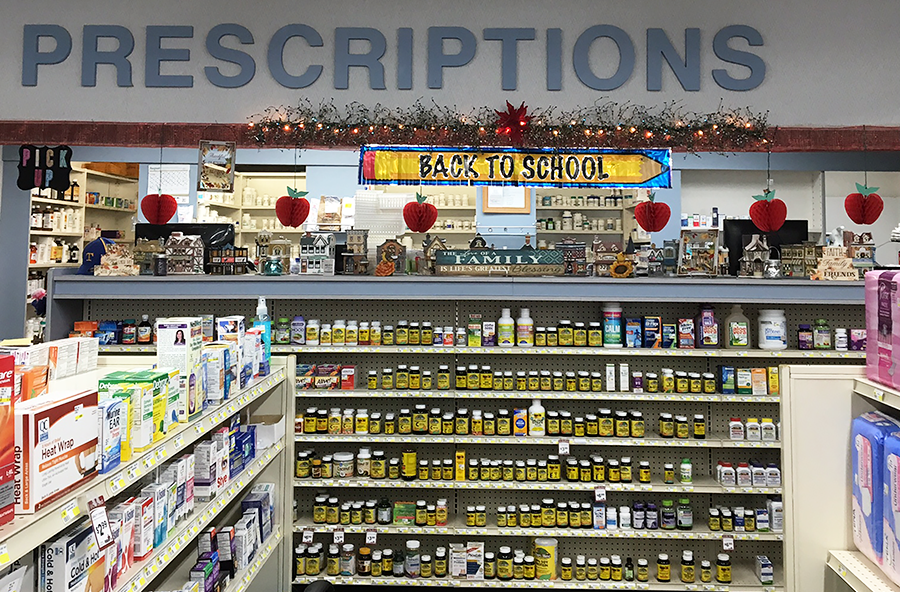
307,536
879,394
338,536
600,494
563,447
100,522
371,536
4,554
728,543
70,511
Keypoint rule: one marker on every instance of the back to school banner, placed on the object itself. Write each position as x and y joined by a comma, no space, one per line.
543,167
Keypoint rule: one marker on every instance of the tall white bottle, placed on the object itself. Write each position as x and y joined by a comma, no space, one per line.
536,419
506,330
525,329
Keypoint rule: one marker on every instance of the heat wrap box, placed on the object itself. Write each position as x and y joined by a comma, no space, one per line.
56,447
868,433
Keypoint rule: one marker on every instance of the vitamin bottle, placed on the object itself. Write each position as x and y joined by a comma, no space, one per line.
129,332
723,568
145,330
612,325
663,568
524,329
735,429
805,337
821,335
536,419
506,330
687,567
642,574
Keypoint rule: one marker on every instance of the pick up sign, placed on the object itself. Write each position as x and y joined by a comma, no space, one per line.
43,167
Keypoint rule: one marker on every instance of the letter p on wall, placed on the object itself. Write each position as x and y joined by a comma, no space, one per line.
33,56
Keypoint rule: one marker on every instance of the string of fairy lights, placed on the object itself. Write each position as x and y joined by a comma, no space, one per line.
603,125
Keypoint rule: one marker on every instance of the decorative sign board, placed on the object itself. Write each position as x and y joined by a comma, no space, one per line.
535,167
43,167
489,262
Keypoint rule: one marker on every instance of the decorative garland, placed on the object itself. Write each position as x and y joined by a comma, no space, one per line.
607,125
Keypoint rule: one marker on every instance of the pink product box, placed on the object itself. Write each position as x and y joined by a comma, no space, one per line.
883,327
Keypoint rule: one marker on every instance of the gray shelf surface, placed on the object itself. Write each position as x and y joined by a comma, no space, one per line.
740,290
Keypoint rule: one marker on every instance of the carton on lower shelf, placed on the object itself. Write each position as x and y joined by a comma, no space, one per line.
7,438
56,440
72,563
179,342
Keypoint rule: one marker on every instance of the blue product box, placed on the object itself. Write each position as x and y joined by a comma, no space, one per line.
726,380
868,434
891,508
633,333
669,336
652,332
259,503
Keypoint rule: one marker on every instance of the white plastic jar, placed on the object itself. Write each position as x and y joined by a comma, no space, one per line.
772,329
343,465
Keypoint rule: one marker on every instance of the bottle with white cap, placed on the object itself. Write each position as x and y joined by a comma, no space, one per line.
525,329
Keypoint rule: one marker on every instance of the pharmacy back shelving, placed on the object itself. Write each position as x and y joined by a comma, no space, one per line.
450,302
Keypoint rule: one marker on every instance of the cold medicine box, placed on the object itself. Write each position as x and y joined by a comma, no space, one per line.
869,432
56,444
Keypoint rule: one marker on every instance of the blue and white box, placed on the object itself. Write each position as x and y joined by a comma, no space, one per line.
868,433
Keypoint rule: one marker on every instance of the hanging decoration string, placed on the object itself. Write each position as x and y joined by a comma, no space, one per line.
865,158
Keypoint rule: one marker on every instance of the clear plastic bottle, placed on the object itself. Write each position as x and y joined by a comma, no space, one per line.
537,419
737,328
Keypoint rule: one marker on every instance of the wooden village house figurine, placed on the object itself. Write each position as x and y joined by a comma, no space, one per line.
317,254
356,260
430,246
756,253
670,257
281,247
228,260
861,250
184,253
144,250
574,256
654,261
262,246
391,258
477,242
604,253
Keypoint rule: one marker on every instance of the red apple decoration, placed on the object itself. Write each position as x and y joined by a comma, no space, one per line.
651,215
418,215
865,206
768,212
292,209
158,208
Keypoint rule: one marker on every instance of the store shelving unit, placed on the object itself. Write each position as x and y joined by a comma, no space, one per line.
449,301
263,396
623,213
859,573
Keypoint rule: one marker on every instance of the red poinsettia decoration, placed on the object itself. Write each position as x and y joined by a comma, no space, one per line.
418,215
651,215
158,208
513,121
865,206
768,212
293,208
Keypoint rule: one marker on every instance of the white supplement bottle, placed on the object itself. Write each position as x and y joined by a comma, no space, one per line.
536,419
525,329
772,329
735,429
506,330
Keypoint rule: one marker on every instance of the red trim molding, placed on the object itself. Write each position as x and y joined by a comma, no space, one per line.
188,135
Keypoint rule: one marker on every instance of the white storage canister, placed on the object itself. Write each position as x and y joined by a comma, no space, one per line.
772,329
343,465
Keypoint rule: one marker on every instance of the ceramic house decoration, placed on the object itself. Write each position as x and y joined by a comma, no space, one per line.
184,254
391,258
431,245
356,259
317,254
574,256
756,253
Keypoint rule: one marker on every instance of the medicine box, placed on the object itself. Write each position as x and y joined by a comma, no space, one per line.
31,382
669,336
765,572
56,440
88,350
72,563
144,527
109,414
215,358
652,332
259,503
633,337
62,358
178,345
868,434
520,422
158,492
7,438
188,483
125,514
